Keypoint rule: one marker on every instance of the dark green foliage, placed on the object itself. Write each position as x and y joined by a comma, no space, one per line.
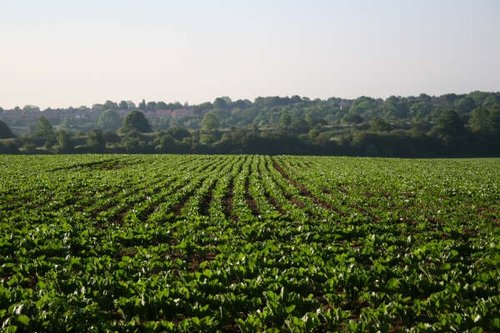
179,133
5,132
123,105
44,131
494,123
64,142
135,142
210,122
142,105
447,125
379,125
164,142
95,141
285,120
136,121
222,103
110,105
109,120
353,119
8,147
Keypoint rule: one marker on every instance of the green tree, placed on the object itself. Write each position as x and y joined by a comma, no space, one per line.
95,141
395,107
210,122
135,121
285,120
5,131
109,120
110,105
9,147
64,142
209,125
164,142
479,120
379,125
494,123
44,130
161,105
151,106
179,133
123,105
448,126
299,125
134,142
222,103
465,104
352,119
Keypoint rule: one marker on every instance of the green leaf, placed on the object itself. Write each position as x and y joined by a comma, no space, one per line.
23,319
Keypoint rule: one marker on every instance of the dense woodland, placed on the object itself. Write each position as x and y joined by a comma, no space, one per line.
423,126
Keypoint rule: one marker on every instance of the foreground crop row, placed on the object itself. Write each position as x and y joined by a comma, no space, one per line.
248,243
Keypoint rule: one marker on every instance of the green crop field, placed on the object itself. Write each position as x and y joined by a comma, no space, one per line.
97,243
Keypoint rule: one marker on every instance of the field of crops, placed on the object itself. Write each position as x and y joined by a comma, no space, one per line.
248,243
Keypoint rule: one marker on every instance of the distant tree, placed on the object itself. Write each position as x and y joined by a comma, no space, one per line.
353,118
44,130
209,125
210,122
64,142
151,106
379,125
8,147
164,142
109,120
202,107
5,132
420,109
31,108
178,133
395,107
479,120
97,107
365,105
68,123
494,123
448,125
131,105
161,106
142,104
110,105
285,120
123,105
174,106
95,141
465,104
222,103
491,101
135,142
299,125
136,121
241,104
311,118
111,137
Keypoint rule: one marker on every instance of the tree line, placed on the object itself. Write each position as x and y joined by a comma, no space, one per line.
447,125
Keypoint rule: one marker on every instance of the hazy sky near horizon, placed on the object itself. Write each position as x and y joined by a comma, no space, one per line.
59,53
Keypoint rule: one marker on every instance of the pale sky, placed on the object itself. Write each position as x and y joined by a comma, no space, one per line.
61,53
